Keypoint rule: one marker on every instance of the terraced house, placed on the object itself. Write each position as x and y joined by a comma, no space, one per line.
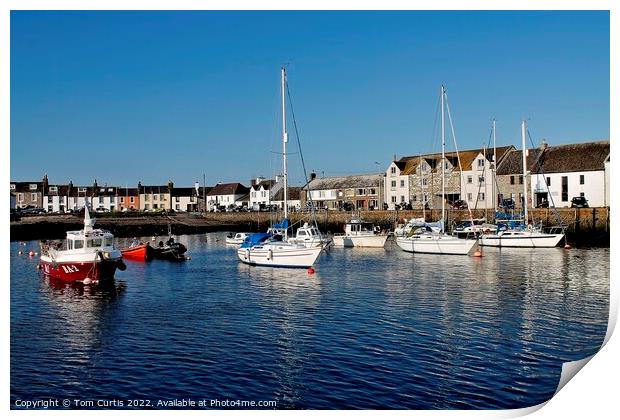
355,192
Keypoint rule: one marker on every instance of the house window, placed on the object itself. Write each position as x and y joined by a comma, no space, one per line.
32,187
582,179
402,183
155,196
445,166
177,207
49,199
402,198
520,179
470,179
424,167
372,191
393,199
480,180
177,199
122,200
393,170
146,197
512,179
131,199
393,184
424,181
480,163
468,196
155,206
33,197
81,189
55,189
564,188
481,196
548,181
361,191
415,198
20,196
147,206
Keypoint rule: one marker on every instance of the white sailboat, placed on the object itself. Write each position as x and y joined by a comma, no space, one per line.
266,249
522,236
428,242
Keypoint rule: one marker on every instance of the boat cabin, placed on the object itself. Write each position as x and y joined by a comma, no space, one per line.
89,241
359,227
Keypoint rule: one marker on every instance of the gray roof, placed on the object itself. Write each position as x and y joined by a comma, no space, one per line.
351,181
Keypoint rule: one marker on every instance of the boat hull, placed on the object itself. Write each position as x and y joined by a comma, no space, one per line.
440,244
525,240
78,271
366,241
142,252
276,256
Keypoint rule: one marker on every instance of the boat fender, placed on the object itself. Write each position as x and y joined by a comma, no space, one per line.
247,254
270,254
529,227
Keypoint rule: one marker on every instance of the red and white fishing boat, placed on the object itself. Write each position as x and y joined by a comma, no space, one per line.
86,255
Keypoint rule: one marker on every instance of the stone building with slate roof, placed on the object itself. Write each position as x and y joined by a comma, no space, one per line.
358,191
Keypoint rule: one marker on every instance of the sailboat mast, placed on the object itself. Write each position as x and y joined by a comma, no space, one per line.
494,169
443,158
525,218
284,141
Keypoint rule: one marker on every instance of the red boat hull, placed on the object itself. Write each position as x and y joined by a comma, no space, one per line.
78,271
141,252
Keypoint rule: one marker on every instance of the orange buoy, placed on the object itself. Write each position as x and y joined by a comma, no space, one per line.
31,254
478,253
311,270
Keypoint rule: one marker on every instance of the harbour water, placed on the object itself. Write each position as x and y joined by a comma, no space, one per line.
372,328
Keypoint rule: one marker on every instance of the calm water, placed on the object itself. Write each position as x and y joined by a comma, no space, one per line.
370,329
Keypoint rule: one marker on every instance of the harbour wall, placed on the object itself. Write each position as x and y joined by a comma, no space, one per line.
585,226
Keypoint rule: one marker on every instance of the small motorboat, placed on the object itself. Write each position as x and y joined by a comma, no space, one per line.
170,250
139,251
237,239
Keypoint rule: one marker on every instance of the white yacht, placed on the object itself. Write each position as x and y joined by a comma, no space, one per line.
274,248
425,240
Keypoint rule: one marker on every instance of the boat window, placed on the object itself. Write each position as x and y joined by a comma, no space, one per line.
301,232
108,241
78,244
93,243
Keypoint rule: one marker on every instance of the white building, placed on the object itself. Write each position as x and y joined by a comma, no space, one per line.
397,189
574,170
478,186
225,195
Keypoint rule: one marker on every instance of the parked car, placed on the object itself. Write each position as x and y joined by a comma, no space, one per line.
579,202
31,210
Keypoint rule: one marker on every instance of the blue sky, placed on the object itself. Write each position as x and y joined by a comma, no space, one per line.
151,96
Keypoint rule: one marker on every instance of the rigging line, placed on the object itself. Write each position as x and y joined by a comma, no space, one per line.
558,219
303,163
458,157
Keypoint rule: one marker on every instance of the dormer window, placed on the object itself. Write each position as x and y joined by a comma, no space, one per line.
32,187
53,189
12,187
110,189
101,189
481,163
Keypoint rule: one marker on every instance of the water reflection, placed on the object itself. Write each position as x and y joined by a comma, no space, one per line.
372,328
